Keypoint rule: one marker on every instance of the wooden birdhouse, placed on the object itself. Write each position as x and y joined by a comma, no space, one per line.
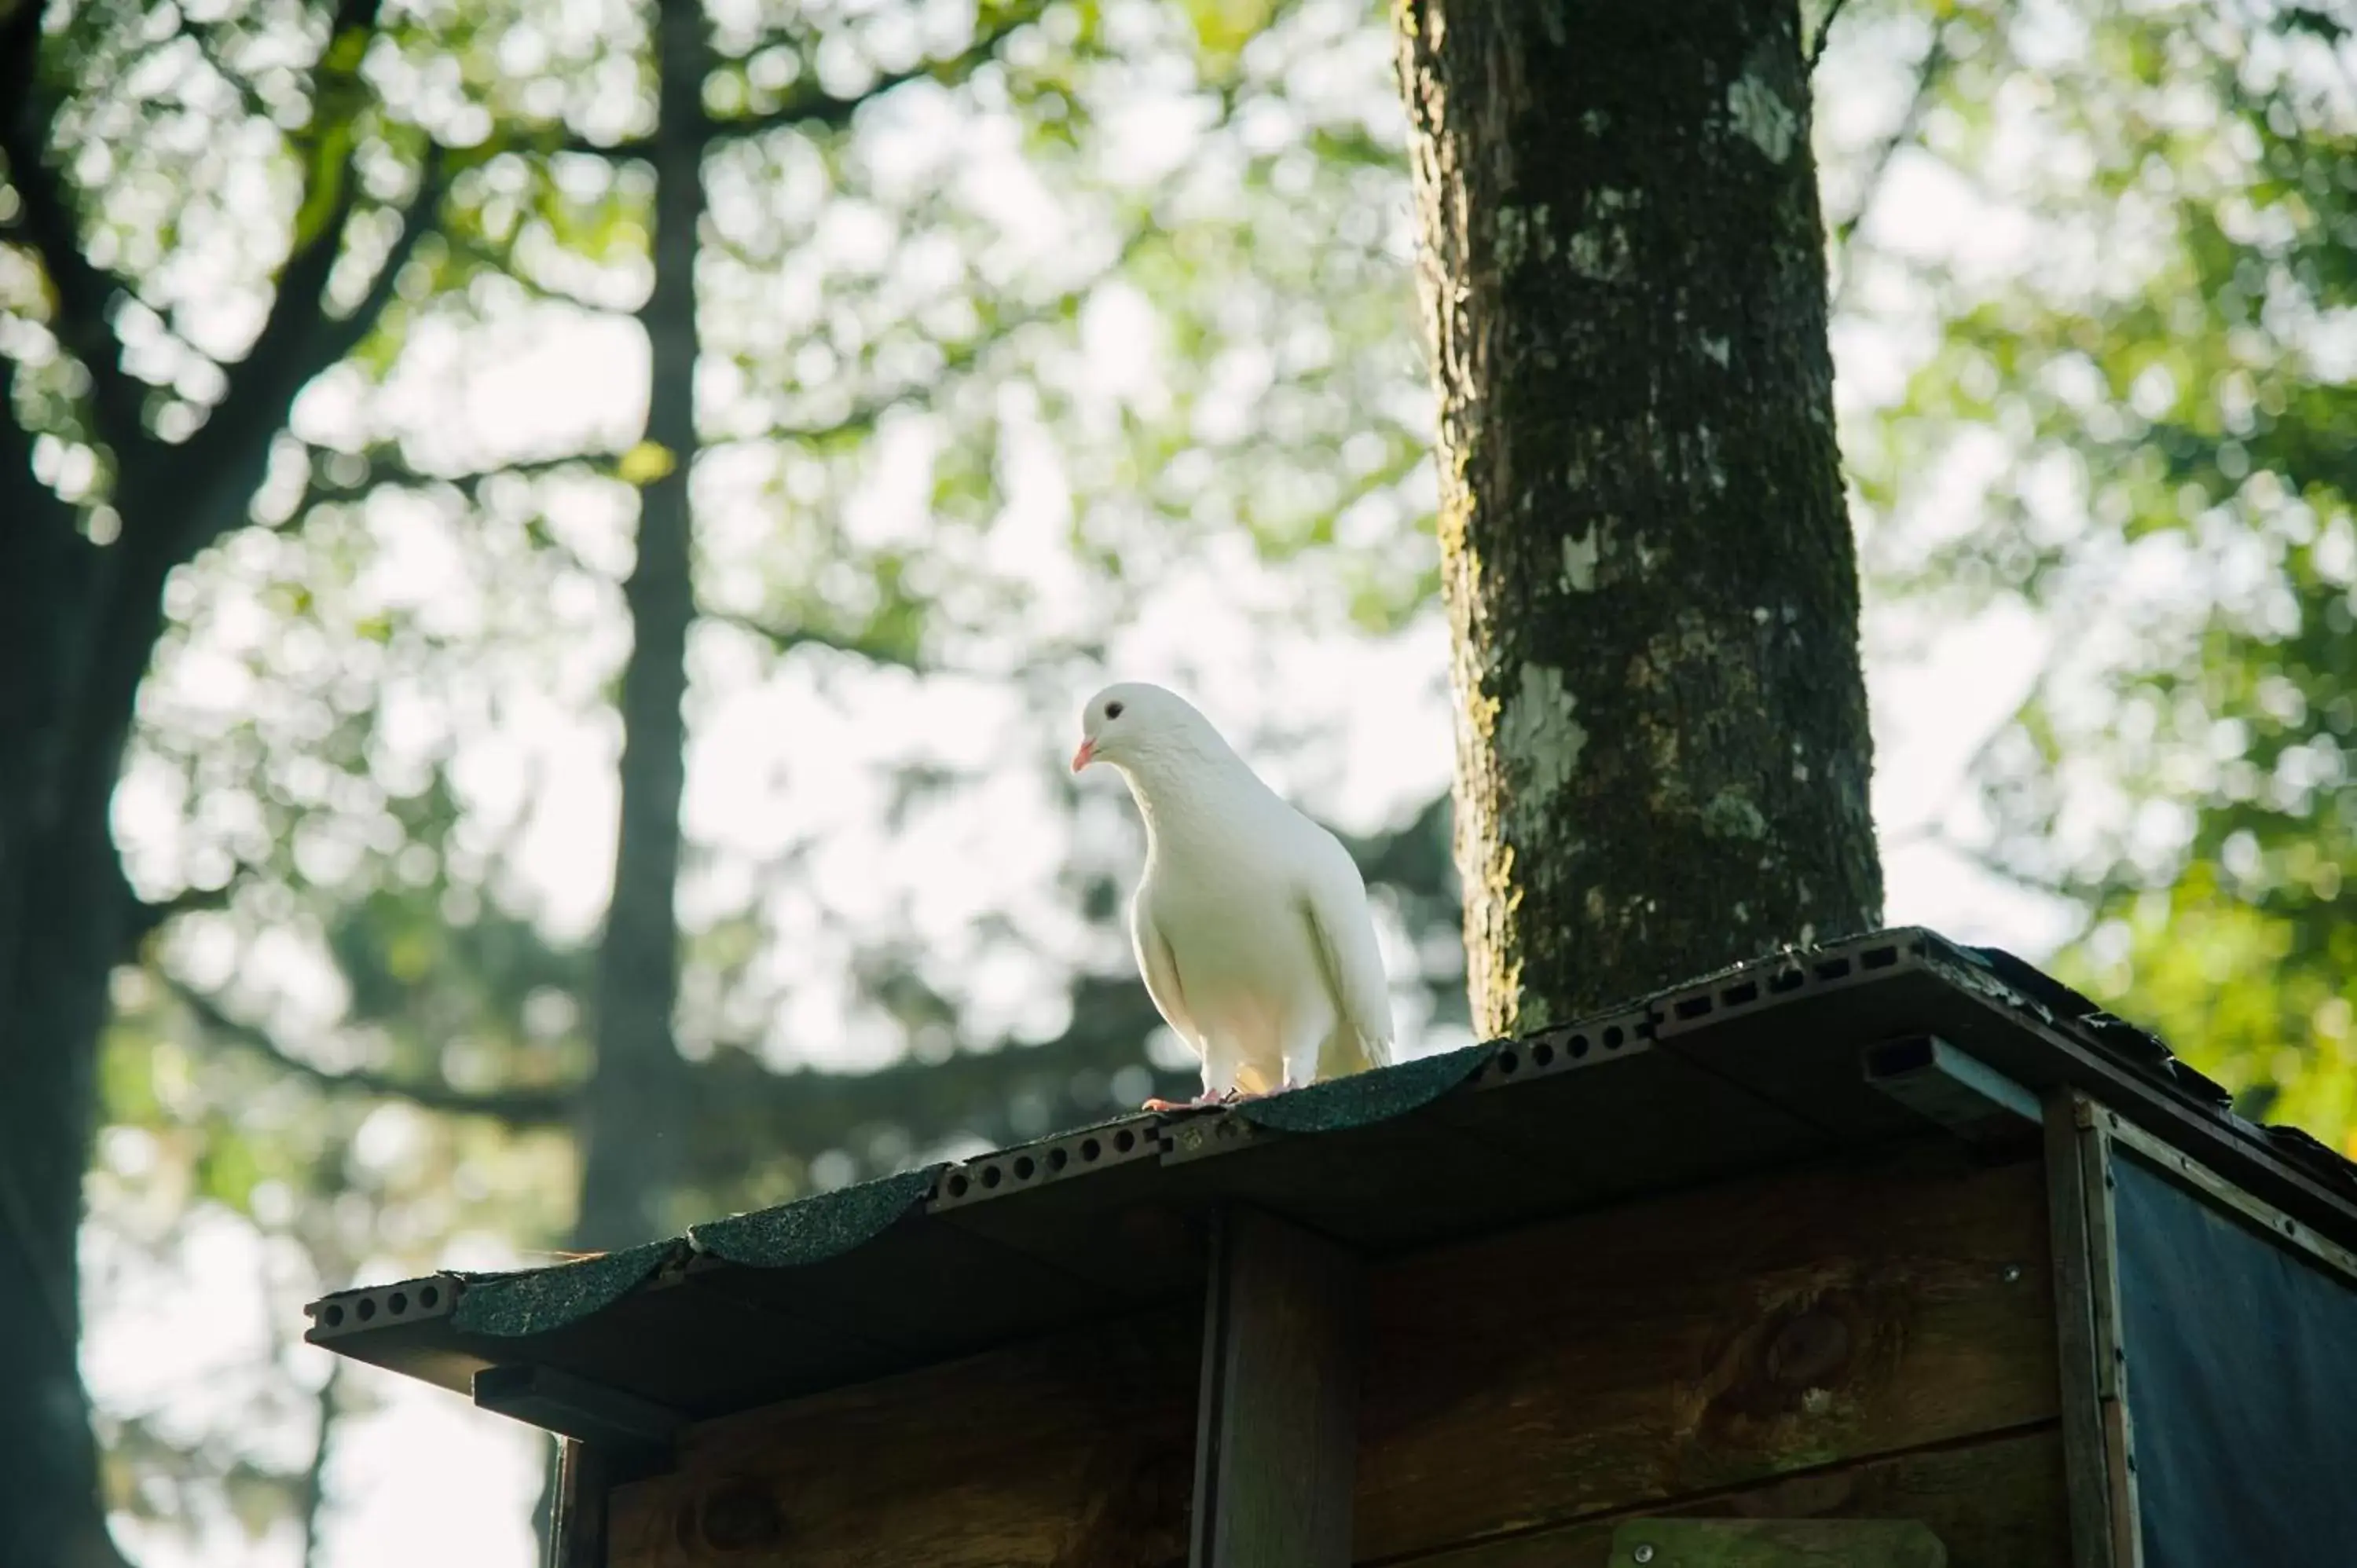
1890,1252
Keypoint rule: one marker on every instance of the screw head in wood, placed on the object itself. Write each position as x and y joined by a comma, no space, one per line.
1644,1552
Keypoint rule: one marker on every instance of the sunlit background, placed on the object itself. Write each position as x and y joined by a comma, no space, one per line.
1084,344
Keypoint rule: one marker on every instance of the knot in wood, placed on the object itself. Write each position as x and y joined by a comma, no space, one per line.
1807,1352
737,1517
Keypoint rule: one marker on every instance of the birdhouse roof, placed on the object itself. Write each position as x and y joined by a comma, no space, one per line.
1799,1056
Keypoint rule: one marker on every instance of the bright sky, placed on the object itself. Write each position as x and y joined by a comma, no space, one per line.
425,1475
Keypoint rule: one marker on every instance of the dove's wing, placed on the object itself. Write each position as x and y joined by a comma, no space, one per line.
1161,971
1334,898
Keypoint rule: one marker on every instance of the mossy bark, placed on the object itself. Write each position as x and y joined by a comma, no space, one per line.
1663,753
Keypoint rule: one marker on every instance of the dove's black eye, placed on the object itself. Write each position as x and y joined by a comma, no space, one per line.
1112,710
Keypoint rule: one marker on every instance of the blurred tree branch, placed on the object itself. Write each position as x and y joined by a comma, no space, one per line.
147,917
742,1105
1824,34
1018,1091
500,261
738,1103
311,1502
297,341
83,295
206,37
810,105
518,1107
385,466
1928,74
875,649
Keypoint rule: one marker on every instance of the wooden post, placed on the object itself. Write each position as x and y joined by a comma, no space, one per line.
1276,1419
2100,1480
2074,1336
2096,1181
577,1524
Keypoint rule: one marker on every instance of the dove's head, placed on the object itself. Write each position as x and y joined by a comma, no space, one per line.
1135,725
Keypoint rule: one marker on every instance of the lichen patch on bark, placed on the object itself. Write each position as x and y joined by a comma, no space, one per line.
1540,738
1599,254
1579,553
1760,116
1730,816
1522,233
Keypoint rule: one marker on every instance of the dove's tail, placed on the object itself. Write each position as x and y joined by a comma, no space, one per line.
1347,1051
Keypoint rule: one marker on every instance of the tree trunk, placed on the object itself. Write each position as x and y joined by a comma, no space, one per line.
79,624
637,1112
49,1488
1662,752
63,910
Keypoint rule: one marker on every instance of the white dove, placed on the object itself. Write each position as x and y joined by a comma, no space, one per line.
1251,922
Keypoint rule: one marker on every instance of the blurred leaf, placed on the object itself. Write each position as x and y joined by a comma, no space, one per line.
227,1171
1224,26
645,463
323,184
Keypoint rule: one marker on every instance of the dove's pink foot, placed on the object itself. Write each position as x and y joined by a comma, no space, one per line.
1201,1103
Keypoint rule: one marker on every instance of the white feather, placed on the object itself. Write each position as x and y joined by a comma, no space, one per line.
1251,922
1154,962
1337,905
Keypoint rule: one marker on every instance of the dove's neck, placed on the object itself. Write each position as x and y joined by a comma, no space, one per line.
1201,791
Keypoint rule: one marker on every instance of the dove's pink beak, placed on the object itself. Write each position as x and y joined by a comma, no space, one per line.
1086,754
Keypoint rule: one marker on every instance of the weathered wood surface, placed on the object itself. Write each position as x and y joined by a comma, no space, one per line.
2086,1474
1074,1451
1825,1327
1657,1542
1997,1504
2096,1181
1278,1438
1610,1362
578,1522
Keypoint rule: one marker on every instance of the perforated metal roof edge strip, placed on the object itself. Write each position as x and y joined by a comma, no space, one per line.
1784,1029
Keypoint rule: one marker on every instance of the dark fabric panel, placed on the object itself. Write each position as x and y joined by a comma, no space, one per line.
2242,1387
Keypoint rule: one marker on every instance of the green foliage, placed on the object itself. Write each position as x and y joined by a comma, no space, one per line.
2170,381
2248,996
356,1032
1224,26
974,401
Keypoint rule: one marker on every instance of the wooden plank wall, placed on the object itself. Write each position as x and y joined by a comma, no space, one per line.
1873,1340
1993,1504
1703,1344
1076,1452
